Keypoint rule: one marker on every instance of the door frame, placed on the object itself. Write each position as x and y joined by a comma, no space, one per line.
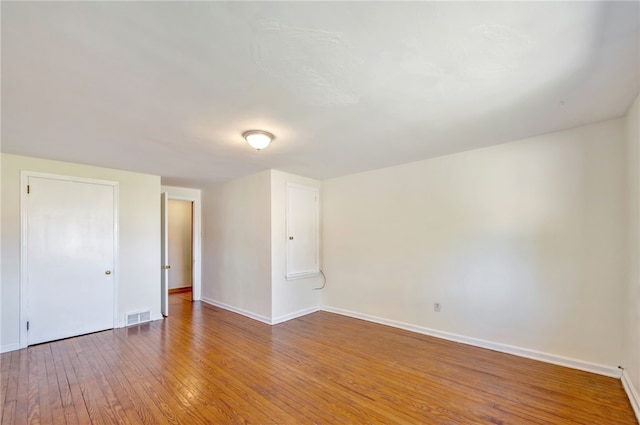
164,254
24,222
196,250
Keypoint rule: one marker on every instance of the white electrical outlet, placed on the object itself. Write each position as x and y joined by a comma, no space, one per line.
437,307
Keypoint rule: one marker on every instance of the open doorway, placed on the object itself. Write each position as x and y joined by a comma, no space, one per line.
193,259
180,238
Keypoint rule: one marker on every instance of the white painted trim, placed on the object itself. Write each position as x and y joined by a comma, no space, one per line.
156,317
294,315
164,253
599,369
259,317
52,176
116,250
246,313
304,275
632,393
24,304
9,347
24,180
196,249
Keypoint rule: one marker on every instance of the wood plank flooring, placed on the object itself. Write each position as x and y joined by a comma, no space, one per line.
204,365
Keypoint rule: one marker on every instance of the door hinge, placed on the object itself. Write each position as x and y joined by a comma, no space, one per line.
27,325
28,189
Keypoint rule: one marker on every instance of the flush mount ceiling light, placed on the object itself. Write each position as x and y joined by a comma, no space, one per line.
258,139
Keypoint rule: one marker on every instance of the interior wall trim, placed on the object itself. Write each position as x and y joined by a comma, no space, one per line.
9,347
294,315
605,370
632,393
241,311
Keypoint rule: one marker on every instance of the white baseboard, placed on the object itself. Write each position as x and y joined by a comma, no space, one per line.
9,347
120,324
246,313
157,317
294,315
263,319
613,372
632,393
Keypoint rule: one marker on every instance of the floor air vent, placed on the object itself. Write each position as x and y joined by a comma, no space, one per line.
140,317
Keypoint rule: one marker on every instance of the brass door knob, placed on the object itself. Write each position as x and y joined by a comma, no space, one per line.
108,272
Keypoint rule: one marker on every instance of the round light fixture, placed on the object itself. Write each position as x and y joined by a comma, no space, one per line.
258,139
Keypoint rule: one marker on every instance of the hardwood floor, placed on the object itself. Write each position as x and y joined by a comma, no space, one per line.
180,290
204,365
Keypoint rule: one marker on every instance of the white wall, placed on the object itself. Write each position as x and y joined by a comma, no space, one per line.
631,360
180,228
195,196
236,246
521,243
139,237
290,298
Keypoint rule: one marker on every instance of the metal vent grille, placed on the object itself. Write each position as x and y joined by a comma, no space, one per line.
145,316
139,317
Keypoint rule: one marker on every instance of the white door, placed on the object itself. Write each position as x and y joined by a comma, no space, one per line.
302,231
164,252
70,252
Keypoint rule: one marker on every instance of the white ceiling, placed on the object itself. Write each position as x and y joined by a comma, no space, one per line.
168,88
